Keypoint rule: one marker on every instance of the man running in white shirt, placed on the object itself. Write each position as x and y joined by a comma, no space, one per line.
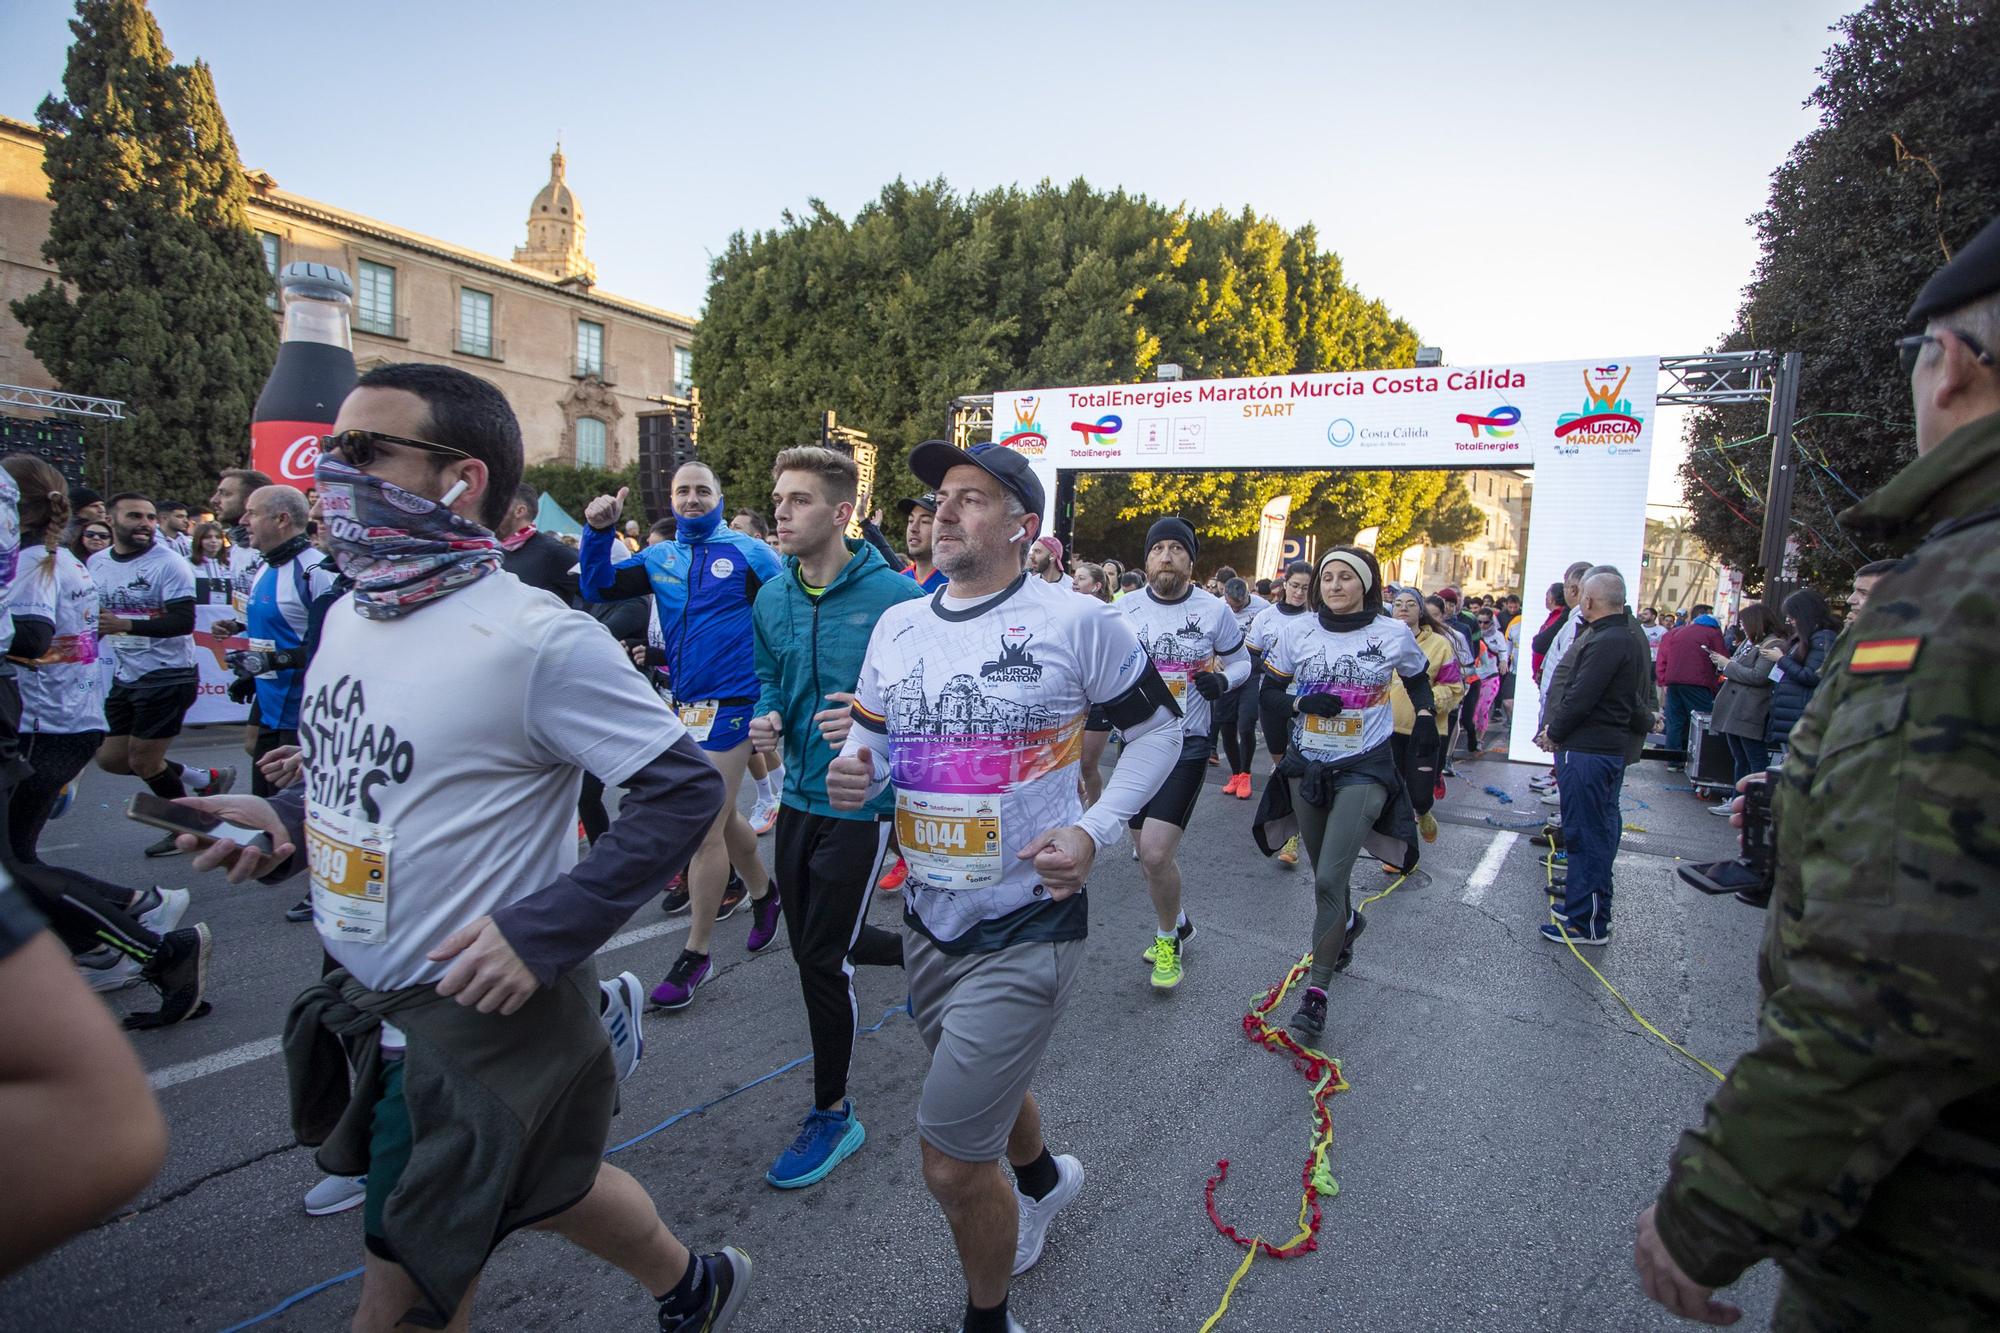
971,704
1189,632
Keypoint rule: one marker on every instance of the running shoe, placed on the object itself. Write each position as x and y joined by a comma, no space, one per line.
1354,929
733,895
1542,781
765,915
1184,932
675,900
63,799
1726,806
167,912
1552,797
105,969
1167,969
1310,1020
336,1194
302,910
892,878
1561,932
1013,1325
1036,1214
1437,789
763,816
166,846
1215,761
1288,855
1550,836
728,1271
179,971
1242,786
1427,825
690,970
620,1001
826,1139
220,780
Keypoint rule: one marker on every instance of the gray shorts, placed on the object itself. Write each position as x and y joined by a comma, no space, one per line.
987,1018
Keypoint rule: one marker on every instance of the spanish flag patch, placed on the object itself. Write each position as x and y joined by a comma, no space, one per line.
1884,655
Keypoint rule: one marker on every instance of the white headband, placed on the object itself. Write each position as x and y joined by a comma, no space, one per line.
1355,563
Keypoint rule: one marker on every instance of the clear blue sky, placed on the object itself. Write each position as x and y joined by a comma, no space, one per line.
1522,181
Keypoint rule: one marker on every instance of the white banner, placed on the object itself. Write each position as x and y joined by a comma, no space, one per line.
1585,427
212,704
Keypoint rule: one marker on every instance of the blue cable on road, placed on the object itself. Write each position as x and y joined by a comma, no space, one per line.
307,1293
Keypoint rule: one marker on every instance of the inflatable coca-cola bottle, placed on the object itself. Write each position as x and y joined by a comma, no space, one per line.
314,371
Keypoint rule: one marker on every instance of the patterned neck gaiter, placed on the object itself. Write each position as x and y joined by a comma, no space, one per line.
400,550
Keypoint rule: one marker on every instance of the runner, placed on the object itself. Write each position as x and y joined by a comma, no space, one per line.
1045,561
1236,714
1189,633
51,721
919,514
983,761
231,498
1274,704
702,584
174,525
812,625
146,613
1419,767
1345,792
445,874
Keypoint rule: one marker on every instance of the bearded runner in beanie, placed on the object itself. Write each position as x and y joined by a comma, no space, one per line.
1199,651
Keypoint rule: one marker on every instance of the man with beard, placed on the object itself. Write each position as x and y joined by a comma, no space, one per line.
918,517
703,583
1189,632
1045,561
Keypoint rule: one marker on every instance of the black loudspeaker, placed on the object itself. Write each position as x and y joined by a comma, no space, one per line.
666,441
52,440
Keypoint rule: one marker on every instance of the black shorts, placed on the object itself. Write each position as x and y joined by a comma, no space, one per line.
1174,801
1098,720
148,712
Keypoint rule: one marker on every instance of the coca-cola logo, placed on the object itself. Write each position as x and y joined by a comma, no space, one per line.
301,456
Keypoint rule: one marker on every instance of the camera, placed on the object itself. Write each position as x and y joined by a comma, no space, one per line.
1751,876
256,662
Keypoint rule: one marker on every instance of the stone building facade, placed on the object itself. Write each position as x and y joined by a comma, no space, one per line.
578,364
1491,561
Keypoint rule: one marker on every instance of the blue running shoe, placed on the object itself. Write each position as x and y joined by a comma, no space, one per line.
826,1139
63,799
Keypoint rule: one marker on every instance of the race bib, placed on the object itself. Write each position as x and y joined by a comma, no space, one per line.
1177,683
699,718
348,860
950,841
1334,735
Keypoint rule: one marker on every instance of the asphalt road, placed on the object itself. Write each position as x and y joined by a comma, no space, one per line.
1507,1119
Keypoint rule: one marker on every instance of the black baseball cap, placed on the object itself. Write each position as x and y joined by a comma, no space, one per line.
933,458
926,501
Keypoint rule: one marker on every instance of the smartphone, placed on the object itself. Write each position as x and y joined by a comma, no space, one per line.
161,813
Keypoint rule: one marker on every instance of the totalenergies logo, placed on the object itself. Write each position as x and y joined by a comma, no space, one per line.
1099,434
1607,417
1026,433
1498,423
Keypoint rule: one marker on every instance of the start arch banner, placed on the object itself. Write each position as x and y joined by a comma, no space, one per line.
1584,427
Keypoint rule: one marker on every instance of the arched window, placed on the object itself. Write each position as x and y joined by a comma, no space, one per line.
589,442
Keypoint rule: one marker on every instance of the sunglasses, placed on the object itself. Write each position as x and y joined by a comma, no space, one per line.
91,535
1911,345
359,448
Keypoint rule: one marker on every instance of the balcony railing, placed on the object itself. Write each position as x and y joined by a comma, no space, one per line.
493,349
600,370
397,327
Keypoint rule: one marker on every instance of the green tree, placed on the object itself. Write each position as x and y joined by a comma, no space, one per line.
573,488
165,297
927,295
1903,168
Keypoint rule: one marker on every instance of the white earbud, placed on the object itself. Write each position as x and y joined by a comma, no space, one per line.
1019,533
450,497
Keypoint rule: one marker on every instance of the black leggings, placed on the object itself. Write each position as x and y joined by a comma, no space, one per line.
1236,723
84,912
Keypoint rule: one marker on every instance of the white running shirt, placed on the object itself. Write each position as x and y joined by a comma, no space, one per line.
1357,665
64,694
1183,636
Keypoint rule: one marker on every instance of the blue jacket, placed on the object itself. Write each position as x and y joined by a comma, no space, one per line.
808,648
704,591
1794,687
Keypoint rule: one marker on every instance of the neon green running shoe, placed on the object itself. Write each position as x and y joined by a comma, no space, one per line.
1167,970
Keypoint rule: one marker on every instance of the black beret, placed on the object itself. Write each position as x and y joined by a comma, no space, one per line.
1973,272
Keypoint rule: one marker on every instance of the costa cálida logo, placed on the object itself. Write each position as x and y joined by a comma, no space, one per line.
286,451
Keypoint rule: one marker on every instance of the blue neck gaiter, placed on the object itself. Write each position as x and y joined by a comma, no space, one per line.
688,531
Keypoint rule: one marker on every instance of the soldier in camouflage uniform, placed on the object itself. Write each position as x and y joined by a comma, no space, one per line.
1858,1145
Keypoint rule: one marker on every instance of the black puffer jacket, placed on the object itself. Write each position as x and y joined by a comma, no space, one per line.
1795,687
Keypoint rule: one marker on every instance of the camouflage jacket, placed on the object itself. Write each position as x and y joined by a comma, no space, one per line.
1858,1144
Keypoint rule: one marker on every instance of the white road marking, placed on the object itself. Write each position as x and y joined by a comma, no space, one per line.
249,1051
1484,875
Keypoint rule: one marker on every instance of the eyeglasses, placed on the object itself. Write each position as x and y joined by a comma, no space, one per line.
1910,345
94,536
359,448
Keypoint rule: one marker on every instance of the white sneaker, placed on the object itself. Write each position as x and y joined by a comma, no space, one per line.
105,969
336,1194
1035,1217
173,906
620,1002
1552,798
763,816
1724,807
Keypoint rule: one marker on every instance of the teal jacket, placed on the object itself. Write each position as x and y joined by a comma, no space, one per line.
808,648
